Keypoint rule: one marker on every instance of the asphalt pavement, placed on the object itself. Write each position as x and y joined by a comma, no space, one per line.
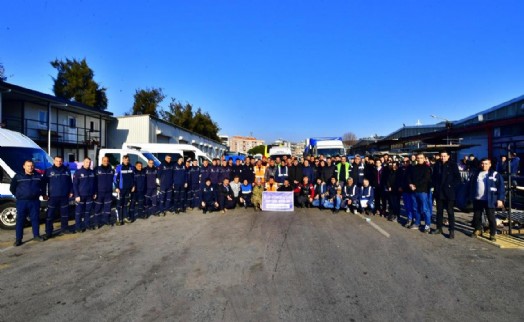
306,265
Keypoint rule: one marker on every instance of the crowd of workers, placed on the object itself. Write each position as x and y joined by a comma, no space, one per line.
373,186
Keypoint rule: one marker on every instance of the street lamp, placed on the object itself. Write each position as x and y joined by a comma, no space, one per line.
448,126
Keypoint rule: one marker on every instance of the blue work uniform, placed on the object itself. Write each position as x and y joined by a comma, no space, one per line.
83,188
193,189
124,181
27,188
246,191
151,190
104,194
165,176
209,198
59,187
179,185
139,196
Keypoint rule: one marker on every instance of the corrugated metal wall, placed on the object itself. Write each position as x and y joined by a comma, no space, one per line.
128,129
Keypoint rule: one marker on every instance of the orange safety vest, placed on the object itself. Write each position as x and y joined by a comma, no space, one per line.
274,187
260,172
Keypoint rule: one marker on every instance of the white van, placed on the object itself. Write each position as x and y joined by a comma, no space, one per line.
279,151
160,150
15,148
115,156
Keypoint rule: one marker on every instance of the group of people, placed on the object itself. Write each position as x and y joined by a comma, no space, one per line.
362,184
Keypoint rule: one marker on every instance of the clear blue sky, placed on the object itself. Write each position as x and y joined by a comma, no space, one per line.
289,69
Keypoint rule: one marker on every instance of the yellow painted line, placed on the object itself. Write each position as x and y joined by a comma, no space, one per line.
504,241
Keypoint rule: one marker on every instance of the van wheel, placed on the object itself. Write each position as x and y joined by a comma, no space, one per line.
8,215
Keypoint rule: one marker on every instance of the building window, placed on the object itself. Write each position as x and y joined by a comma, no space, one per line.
72,122
91,126
42,118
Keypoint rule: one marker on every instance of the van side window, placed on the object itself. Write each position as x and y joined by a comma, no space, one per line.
133,158
114,158
4,177
189,154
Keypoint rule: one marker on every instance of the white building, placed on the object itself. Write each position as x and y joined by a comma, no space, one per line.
61,127
149,129
243,143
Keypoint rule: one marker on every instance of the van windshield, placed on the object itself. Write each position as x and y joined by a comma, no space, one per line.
15,157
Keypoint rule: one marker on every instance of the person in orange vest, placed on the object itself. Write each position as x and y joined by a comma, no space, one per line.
271,185
260,171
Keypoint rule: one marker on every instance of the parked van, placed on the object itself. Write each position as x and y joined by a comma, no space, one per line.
279,151
160,150
15,148
115,156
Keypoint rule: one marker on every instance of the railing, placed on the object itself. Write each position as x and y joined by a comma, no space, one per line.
60,133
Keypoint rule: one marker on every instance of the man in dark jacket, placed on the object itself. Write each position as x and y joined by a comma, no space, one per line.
165,177
84,193
304,193
295,173
446,178
419,180
193,185
27,188
358,171
226,199
104,174
487,192
151,189
179,185
394,188
209,197
136,210
59,189
124,187
328,171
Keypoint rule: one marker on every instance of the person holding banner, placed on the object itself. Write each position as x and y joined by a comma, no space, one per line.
271,185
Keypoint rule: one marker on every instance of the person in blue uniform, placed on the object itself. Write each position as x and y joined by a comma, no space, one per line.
179,185
226,199
367,198
151,189
281,174
193,189
224,171
214,172
59,186
246,191
165,176
104,174
27,187
350,196
209,197
124,187
139,196
84,194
